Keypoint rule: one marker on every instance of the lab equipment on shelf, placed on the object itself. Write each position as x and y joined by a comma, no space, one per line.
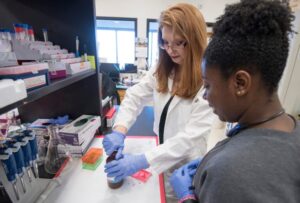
9,165
61,67
77,46
34,75
45,34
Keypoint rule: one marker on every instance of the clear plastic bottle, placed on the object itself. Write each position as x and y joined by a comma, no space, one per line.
30,33
45,34
2,36
111,180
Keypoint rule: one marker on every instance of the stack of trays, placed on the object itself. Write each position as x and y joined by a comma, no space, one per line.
34,75
92,159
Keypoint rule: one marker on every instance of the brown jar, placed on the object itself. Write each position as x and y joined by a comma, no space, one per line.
111,180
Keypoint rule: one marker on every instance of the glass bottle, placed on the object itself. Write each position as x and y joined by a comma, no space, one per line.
111,180
53,159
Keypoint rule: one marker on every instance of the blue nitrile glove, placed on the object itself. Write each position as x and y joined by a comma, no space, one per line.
112,142
126,166
181,179
61,120
193,164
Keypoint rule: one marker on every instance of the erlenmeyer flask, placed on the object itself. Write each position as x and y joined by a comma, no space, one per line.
53,160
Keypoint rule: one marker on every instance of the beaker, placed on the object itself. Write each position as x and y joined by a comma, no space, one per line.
54,159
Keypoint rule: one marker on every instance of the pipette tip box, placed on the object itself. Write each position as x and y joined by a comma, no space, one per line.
92,158
92,167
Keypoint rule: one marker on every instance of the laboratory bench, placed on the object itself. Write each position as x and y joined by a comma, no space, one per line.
80,184
143,126
72,183
75,184
76,95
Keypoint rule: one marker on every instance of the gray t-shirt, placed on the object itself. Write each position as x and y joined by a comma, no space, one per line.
256,165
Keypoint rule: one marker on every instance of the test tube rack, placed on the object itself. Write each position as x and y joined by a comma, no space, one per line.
7,57
38,50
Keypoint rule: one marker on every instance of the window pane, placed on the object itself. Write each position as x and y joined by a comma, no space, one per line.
126,43
106,40
152,45
116,24
153,49
116,40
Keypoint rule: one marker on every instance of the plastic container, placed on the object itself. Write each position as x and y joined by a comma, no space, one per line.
30,33
45,34
25,28
92,155
111,180
1,34
92,159
5,34
34,75
19,31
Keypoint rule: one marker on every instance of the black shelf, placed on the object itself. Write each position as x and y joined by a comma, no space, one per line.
54,86
78,94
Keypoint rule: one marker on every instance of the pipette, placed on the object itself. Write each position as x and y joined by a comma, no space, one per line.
9,165
34,150
25,146
15,146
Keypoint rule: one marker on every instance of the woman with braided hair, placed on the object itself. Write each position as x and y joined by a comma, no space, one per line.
242,67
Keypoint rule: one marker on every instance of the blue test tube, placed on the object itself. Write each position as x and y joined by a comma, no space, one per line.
34,150
10,167
15,146
25,146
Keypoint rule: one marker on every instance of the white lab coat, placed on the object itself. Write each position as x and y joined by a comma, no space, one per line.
187,124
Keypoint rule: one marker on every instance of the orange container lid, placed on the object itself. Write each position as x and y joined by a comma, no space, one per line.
92,155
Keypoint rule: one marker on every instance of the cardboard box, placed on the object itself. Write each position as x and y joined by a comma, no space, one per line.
80,130
74,68
34,75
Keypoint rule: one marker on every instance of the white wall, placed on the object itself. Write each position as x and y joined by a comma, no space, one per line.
289,92
143,9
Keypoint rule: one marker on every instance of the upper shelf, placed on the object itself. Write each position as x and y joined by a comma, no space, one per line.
54,86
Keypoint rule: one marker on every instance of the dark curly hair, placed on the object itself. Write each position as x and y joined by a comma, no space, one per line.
252,35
